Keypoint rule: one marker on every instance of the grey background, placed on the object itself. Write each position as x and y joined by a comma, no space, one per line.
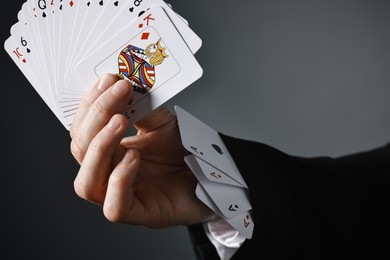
307,77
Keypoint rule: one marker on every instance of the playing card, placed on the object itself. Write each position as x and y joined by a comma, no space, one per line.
68,16
115,20
243,223
135,9
17,54
52,39
149,53
206,144
43,28
25,34
27,50
230,200
19,57
215,175
37,28
202,195
91,20
192,40
81,14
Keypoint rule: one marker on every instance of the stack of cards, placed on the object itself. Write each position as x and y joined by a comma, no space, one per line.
63,46
221,186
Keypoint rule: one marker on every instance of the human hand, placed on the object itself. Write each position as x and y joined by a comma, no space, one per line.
139,180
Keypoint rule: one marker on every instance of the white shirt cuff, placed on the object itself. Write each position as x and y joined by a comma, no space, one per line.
226,239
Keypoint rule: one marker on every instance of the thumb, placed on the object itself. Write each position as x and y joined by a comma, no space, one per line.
154,120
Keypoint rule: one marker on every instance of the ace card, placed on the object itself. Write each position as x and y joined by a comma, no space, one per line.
243,223
206,144
230,200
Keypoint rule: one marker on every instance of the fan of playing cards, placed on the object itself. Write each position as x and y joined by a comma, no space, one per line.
63,46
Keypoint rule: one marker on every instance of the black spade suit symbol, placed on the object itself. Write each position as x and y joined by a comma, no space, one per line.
217,148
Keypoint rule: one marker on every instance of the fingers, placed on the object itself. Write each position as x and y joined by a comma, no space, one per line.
158,118
120,202
91,181
94,116
101,85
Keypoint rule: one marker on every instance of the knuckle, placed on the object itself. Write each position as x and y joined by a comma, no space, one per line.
98,109
117,182
117,211
86,192
88,100
96,146
72,132
115,214
76,148
81,189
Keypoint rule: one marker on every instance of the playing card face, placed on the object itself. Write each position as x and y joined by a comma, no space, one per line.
38,10
122,14
81,14
26,32
16,52
241,220
19,57
215,175
133,10
206,144
52,39
243,223
230,200
26,60
91,20
144,60
149,53
65,35
43,14
202,195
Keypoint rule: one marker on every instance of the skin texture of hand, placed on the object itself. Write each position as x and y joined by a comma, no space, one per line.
138,180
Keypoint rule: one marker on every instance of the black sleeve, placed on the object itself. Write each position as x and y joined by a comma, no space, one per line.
203,248
315,208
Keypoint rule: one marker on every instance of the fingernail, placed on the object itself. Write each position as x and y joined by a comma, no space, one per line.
129,155
114,123
104,83
120,89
